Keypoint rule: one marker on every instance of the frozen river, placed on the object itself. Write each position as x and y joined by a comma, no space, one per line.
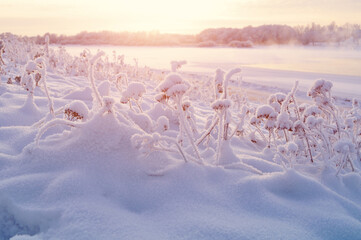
264,68
332,60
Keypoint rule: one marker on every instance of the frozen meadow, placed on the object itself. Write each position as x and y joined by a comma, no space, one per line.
179,143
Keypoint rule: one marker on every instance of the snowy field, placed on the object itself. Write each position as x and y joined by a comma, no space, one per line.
100,146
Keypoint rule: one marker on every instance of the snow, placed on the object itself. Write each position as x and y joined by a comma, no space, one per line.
264,111
162,124
135,90
283,121
126,173
77,107
221,104
170,80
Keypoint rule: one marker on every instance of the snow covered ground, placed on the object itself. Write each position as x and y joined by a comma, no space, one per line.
110,162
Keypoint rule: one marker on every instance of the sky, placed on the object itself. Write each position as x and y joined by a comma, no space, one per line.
37,17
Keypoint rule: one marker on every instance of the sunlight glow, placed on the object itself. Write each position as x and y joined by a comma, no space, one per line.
187,16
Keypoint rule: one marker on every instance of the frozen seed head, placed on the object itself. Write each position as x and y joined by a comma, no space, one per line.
108,103
283,121
221,104
344,146
31,66
76,110
169,81
292,147
312,110
265,111
320,87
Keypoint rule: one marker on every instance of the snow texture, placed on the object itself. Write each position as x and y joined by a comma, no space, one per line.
120,173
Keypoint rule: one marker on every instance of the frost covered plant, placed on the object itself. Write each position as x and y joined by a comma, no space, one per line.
320,92
175,65
291,121
2,47
218,83
221,106
344,149
92,64
28,82
162,124
172,90
189,114
282,103
286,153
226,114
142,120
80,65
267,116
284,124
30,70
301,130
147,143
227,79
353,125
76,110
53,123
134,92
108,103
136,69
2,63
276,100
120,79
41,67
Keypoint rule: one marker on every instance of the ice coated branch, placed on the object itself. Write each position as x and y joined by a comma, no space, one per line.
228,77
92,63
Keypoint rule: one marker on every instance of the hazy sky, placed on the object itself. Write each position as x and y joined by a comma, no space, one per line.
32,17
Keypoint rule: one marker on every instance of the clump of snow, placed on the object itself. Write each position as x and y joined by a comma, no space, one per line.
142,120
31,67
320,87
108,103
104,88
284,122
76,110
221,104
218,82
162,124
135,90
292,147
276,100
173,85
264,111
311,111
344,146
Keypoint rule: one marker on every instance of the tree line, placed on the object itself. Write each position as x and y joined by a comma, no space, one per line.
312,34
